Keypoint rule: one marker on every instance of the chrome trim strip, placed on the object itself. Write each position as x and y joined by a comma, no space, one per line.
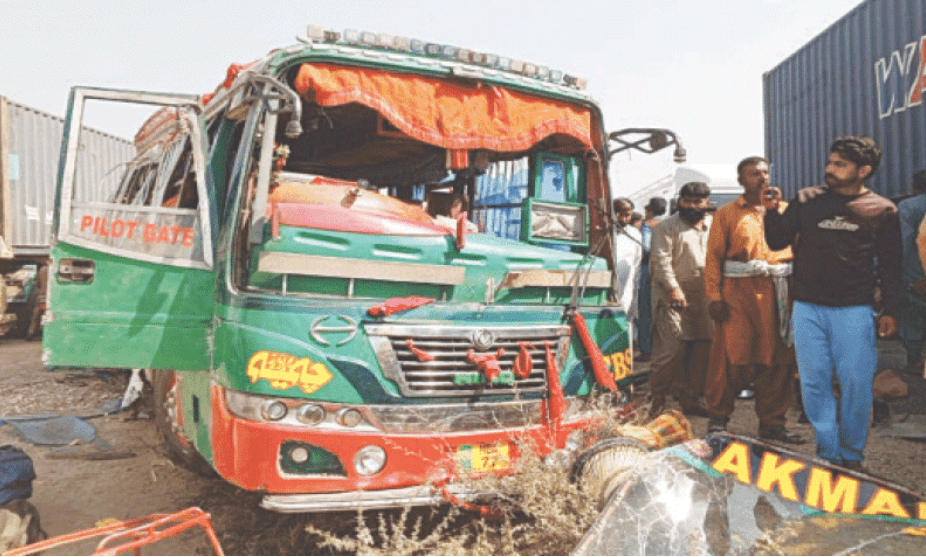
439,331
415,496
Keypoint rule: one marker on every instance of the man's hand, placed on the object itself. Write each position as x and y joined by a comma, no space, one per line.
719,311
919,288
806,194
677,299
887,326
771,198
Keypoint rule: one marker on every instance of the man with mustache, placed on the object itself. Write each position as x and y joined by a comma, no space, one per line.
846,238
746,283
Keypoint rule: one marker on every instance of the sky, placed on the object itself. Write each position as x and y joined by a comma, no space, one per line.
692,66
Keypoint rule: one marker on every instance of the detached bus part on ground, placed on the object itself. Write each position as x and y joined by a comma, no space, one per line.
318,331
734,495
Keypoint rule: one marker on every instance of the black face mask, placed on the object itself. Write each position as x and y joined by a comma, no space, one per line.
692,215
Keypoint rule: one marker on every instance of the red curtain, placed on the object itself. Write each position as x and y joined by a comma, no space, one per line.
452,115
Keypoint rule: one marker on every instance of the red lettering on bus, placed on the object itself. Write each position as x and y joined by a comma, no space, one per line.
117,229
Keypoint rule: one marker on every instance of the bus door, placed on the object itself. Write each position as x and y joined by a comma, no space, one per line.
132,279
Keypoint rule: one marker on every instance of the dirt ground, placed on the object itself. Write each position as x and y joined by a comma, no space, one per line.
74,493
900,460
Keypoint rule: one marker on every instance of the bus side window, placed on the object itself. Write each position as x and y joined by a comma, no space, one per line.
553,184
500,192
180,185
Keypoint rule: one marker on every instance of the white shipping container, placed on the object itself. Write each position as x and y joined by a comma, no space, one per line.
30,145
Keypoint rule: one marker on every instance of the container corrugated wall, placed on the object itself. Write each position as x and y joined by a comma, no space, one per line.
864,75
31,145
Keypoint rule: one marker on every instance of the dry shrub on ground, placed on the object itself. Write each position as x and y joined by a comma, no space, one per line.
537,510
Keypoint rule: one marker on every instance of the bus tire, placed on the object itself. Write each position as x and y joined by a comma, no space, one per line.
179,447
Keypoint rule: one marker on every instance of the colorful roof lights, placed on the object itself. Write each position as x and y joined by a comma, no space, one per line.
418,47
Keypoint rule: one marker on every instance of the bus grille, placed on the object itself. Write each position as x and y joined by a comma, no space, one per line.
451,373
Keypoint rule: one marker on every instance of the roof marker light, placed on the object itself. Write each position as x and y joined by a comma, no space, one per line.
530,70
352,36
403,44
384,41
448,51
464,55
418,46
315,32
432,49
516,66
367,38
577,82
543,73
491,60
556,76
478,58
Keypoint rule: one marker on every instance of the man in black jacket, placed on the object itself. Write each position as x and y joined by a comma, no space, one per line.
846,238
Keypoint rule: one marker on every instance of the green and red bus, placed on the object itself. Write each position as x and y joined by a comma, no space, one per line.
320,330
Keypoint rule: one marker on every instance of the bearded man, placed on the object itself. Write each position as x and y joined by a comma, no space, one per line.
846,239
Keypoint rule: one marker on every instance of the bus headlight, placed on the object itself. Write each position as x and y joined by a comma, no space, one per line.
350,417
310,414
273,410
369,460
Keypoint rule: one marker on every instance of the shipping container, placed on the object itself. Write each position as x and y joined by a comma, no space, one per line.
30,143
864,75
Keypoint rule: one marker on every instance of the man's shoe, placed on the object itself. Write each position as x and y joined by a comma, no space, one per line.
643,357
717,425
880,413
693,408
782,435
855,466
746,394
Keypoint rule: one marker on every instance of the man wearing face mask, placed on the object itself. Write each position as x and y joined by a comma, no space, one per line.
747,288
682,328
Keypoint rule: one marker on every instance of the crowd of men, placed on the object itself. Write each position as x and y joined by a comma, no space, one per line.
777,297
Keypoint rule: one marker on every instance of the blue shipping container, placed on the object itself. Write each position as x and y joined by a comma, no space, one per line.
864,75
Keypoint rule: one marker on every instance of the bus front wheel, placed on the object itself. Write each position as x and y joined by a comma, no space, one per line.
167,408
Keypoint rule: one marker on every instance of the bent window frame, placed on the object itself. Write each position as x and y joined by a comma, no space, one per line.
68,173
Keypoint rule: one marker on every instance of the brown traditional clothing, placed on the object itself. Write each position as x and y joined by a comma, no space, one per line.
750,336
681,336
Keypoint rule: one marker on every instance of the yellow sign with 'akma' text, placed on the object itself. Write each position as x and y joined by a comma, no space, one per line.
284,371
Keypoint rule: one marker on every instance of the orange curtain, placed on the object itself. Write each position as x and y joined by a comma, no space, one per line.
449,115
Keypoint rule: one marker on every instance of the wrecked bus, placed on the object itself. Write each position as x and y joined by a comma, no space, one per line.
322,332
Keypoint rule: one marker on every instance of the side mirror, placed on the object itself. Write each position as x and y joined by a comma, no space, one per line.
647,140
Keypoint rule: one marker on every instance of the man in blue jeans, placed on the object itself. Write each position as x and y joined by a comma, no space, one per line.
848,239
